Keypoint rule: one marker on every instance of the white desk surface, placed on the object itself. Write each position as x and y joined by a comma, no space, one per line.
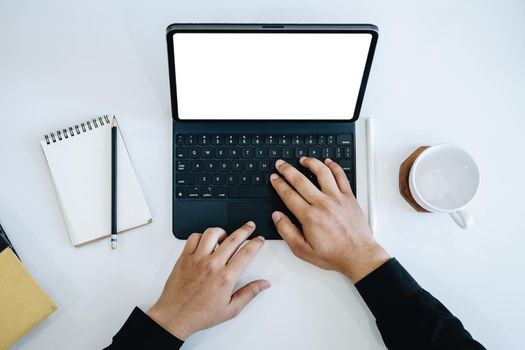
444,71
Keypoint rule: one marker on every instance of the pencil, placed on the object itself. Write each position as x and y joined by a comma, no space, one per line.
370,173
114,184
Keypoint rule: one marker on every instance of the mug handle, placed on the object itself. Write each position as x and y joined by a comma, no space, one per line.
462,218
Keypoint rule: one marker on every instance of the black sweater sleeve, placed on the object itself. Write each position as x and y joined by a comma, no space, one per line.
409,317
141,332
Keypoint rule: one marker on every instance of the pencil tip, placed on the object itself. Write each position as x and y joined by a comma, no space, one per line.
114,123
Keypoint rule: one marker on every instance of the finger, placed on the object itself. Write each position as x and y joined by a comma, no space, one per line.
245,294
230,245
340,176
290,233
209,240
191,244
322,172
289,196
298,181
244,256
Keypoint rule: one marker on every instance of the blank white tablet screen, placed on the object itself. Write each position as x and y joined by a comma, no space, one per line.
269,76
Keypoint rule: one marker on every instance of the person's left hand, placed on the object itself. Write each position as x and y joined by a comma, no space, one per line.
199,291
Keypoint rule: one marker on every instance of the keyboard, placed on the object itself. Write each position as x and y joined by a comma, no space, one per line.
220,166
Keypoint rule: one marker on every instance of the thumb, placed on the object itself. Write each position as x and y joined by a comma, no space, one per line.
245,294
289,232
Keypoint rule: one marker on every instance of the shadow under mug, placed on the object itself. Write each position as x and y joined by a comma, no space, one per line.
445,178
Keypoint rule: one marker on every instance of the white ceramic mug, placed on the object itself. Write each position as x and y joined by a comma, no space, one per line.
445,178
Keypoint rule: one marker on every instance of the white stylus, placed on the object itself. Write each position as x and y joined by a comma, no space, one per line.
370,173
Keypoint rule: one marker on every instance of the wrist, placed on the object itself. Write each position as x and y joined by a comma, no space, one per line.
168,320
369,258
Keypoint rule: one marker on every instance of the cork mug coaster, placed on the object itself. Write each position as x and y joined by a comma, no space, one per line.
442,178
404,173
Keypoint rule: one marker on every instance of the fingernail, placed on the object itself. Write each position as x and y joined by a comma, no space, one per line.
261,238
274,176
328,161
250,223
276,216
279,162
265,285
302,159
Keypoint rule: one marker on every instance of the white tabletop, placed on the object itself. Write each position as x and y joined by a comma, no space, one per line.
443,72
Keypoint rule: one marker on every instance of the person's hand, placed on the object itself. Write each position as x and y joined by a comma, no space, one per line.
199,292
335,234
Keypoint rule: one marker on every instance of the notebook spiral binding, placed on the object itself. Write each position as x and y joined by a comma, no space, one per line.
77,129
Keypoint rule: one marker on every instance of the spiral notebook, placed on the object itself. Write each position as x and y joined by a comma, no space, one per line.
79,159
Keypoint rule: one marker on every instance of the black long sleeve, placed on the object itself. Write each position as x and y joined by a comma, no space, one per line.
409,317
141,332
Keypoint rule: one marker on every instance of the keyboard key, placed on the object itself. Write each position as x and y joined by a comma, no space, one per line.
218,179
179,139
193,192
288,152
204,179
258,179
210,165
208,152
247,152
344,139
185,179
204,140
309,140
181,192
232,179
275,152
244,140
224,165
206,192
234,152
252,165
321,140
347,152
297,140
238,165
221,152
265,165
261,152
197,165
257,140
181,152
270,140
314,152
244,179
327,152
230,140
330,140
190,140
216,140
183,165
194,153
338,152
346,165
301,151
284,140
220,192
250,192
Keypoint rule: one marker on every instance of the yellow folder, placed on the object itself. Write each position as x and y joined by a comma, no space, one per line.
23,303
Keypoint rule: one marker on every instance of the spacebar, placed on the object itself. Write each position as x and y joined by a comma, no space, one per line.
250,192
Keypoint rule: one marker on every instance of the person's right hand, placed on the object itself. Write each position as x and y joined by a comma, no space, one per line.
335,234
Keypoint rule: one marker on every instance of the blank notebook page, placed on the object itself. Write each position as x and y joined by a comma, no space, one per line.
80,166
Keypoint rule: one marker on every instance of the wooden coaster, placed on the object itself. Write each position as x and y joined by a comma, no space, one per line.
404,172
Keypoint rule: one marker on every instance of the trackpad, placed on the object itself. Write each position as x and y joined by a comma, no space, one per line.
258,212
